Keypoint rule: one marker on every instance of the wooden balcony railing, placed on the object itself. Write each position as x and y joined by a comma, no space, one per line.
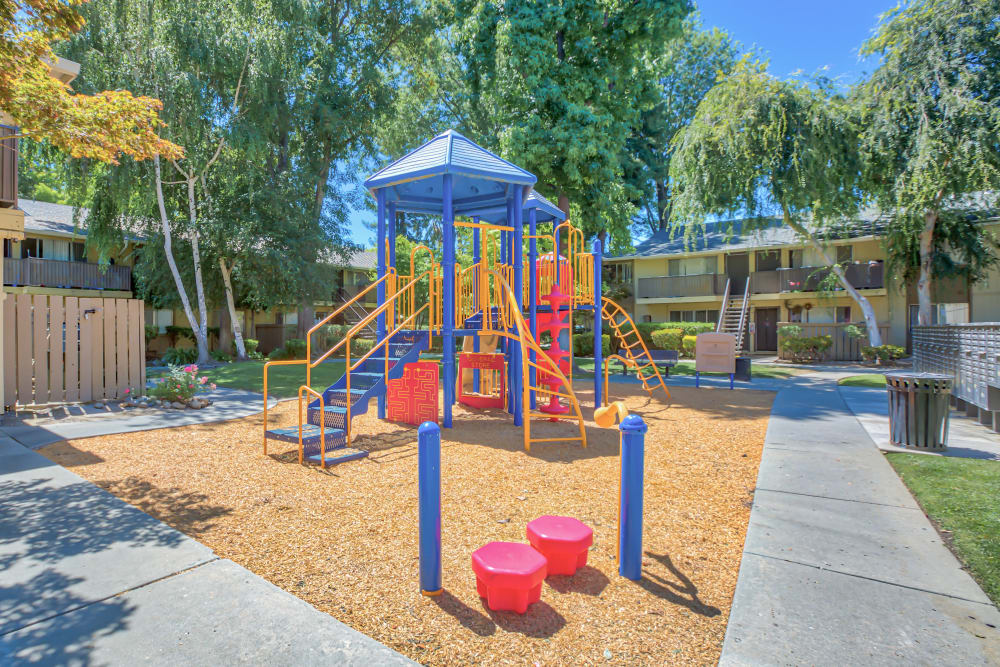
808,279
36,272
661,287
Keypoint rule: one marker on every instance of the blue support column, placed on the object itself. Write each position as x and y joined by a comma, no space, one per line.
598,323
380,330
429,497
391,241
448,298
555,250
533,293
476,258
505,343
517,259
633,436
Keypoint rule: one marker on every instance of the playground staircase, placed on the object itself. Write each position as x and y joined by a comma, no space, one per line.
367,381
633,346
733,318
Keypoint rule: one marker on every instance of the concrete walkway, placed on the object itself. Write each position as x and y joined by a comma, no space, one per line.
226,404
87,579
840,565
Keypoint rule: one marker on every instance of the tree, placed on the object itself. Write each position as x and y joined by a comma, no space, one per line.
684,73
101,126
758,146
931,122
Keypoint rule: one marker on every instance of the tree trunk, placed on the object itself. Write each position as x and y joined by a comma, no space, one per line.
661,206
306,319
199,333
241,350
199,287
871,323
924,280
225,330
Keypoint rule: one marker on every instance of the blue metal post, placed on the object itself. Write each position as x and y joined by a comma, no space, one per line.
448,297
555,250
508,347
380,262
533,293
517,259
429,495
476,258
633,436
391,240
598,323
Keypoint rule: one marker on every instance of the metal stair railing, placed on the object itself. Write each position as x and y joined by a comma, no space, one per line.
725,307
743,316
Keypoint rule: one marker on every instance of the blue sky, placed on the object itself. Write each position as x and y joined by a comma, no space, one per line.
795,35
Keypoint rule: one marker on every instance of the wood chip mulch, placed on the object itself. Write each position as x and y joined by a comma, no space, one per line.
345,540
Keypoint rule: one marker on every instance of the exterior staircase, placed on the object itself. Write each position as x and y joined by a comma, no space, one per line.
368,380
734,315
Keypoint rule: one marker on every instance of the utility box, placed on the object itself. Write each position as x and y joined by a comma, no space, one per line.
715,353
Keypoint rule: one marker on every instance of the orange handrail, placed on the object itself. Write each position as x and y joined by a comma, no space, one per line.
610,311
322,425
268,364
607,365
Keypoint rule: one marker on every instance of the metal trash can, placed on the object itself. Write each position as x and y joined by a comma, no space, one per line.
918,409
743,370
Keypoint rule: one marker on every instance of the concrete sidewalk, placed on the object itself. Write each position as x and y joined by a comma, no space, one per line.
840,565
87,579
227,404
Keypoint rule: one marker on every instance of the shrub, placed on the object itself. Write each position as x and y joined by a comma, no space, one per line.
858,331
646,329
688,344
178,356
883,354
151,333
806,348
294,348
583,345
790,331
361,346
668,339
180,383
251,345
221,356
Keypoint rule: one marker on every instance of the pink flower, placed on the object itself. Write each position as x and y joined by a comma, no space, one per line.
203,380
127,390
212,386
190,386
187,369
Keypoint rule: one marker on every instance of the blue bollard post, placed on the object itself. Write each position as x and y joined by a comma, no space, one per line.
429,495
633,436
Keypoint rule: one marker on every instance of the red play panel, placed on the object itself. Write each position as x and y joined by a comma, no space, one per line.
413,398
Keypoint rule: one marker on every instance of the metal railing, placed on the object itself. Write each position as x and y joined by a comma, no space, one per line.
803,279
700,284
38,272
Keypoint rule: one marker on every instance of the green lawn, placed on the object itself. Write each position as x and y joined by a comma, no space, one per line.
960,495
282,381
876,380
686,367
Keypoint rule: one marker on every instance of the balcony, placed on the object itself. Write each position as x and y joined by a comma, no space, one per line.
665,287
36,272
805,279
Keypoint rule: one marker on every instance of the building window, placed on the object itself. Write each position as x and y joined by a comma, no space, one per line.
620,272
79,251
31,248
647,318
768,260
160,318
795,314
845,254
843,314
691,266
795,258
693,316
8,247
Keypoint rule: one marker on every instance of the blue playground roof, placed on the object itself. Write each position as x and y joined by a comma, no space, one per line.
480,178
546,211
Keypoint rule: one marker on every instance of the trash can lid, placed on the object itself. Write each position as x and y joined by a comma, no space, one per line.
906,375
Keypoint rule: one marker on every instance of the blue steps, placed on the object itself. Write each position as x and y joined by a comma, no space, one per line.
368,382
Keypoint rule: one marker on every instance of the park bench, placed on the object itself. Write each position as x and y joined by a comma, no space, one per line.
666,359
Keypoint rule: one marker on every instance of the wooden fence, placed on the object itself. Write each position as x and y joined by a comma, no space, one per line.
68,349
844,347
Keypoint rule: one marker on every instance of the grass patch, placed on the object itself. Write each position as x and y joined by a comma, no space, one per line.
282,381
876,380
960,495
686,367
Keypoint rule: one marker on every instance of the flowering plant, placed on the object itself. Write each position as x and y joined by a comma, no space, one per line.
180,383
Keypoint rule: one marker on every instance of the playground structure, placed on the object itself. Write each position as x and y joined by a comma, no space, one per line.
489,300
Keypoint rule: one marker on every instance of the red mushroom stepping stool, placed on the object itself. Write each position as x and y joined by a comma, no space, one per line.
563,541
509,575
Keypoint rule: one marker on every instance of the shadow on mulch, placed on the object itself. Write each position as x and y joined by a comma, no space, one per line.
587,580
682,592
541,621
190,513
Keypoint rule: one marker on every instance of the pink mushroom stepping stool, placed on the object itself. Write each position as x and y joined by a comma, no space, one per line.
563,541
509,575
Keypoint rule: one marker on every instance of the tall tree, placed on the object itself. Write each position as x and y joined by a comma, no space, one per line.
683,74
759,146
101,126
931,120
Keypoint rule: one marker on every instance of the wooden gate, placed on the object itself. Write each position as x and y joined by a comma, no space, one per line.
67,349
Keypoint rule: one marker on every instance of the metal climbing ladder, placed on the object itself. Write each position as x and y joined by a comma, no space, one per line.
633,345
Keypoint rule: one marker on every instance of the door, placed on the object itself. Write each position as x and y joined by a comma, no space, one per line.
766,328
738,270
